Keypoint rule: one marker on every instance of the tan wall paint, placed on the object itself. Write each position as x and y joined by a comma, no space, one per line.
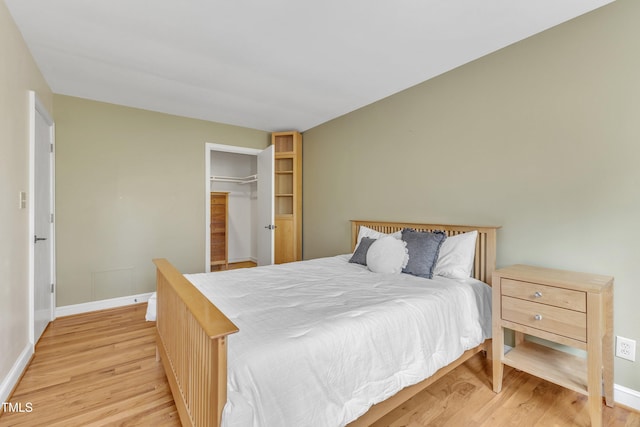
129,188
18,75
542,138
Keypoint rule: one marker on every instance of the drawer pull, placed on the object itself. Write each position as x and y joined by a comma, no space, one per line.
538,294
538,317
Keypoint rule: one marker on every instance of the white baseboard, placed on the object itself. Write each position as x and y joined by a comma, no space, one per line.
12,378
68,310
626,396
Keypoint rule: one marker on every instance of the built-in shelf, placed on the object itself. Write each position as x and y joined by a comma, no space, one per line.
288,196
283,143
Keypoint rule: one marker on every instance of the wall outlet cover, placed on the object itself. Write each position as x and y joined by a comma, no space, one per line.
626,348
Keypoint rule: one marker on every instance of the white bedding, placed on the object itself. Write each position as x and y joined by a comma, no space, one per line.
321,341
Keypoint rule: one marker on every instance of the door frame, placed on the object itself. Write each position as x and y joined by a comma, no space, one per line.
208,148
37,107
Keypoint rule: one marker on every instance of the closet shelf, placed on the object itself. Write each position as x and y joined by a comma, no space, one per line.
239,180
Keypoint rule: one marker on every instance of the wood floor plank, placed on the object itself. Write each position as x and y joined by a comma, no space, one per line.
99,369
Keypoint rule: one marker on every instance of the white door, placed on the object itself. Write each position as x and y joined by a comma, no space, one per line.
265,207
42,238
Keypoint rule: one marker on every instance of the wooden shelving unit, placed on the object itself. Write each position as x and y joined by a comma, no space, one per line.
288,196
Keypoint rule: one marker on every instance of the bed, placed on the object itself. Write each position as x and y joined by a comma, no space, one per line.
193,336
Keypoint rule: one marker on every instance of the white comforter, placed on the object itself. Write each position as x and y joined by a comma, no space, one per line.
321,341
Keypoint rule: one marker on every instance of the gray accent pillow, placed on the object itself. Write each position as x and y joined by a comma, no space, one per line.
360,254
423,247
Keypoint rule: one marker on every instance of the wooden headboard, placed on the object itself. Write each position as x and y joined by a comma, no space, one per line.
485,258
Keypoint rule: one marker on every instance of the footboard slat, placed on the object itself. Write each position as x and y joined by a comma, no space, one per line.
192,344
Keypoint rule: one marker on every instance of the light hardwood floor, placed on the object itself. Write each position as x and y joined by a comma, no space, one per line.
99,369
95,369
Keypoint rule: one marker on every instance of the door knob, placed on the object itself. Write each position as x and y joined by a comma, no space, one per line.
36,239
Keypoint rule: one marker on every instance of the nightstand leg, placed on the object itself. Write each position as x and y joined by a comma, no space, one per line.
497,331
607,348
595,387
498,353
594,358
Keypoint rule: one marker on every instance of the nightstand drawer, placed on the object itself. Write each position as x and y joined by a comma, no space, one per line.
567,323
559,297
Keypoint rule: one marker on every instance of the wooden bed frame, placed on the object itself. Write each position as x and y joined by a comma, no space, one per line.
191,334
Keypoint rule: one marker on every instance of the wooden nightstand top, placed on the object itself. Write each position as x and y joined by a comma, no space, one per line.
560,278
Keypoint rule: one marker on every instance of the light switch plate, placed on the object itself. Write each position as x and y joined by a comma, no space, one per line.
22,200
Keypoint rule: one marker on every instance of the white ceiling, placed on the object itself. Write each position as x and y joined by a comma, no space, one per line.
269,65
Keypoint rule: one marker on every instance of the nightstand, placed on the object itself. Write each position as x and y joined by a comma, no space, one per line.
565,307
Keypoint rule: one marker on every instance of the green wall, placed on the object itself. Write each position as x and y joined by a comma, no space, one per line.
542,138
130,186
19,74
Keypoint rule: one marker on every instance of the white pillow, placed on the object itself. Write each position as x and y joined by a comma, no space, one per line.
387,255
365,231
455,259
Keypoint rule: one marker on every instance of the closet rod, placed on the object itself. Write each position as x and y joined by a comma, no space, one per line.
240,180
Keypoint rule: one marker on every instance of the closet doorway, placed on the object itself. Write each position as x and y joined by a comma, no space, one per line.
246,176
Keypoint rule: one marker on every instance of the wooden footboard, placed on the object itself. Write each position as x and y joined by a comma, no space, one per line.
192,344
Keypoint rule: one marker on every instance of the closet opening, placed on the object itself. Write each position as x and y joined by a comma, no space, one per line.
239,206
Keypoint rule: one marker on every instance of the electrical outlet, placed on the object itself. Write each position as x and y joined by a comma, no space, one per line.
626,348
